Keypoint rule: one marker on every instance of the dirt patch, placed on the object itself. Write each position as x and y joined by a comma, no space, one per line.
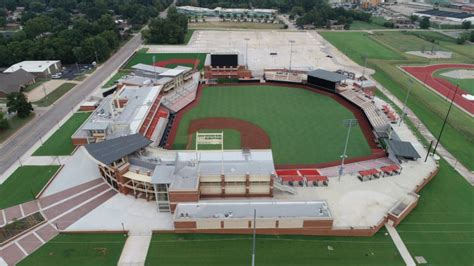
251,135
178,61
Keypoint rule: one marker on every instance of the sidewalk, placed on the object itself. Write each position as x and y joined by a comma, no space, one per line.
402,249
461,169
136,248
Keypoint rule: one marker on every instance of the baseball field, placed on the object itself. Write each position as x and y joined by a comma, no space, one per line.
303,127
171,59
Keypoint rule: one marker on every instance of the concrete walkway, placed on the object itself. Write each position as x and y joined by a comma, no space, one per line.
461,169
402,249
49,86
136,248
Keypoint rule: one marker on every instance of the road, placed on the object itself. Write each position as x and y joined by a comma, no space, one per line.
26,137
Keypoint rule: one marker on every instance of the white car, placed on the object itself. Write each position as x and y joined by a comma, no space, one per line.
56,76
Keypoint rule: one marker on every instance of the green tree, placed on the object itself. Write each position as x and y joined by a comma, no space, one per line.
466,24
3,122
471,36
17,102
414,18
425,23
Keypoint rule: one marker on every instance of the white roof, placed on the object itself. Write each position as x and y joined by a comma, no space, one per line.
244,209
150,68
172,73
31,66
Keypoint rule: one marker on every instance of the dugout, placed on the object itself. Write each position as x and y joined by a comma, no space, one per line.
325,79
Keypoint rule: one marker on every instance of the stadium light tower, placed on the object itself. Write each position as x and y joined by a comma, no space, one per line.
349,123
247,52
254,237
291,51
404,111
445,119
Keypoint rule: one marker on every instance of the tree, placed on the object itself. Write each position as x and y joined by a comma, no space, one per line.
414,18
3,122
17,102
460,40
471,37
425,23
466,24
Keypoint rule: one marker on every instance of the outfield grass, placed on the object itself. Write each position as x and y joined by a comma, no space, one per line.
440,227
466,85
60,142
304,127
360,44
427,105
24,184
55,95
201,249
79,249
15,124
231,140
147,58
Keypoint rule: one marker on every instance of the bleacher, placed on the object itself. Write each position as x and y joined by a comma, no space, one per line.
376,119
181,97
284,76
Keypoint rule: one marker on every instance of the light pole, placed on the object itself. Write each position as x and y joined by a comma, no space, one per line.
154,66
445,119
349,123
254,231
404,111
291,51
365,64
247,52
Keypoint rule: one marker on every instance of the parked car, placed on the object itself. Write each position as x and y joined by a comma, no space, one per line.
57,75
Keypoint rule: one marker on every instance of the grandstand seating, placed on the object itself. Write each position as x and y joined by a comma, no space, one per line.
150,116
181,97
371,111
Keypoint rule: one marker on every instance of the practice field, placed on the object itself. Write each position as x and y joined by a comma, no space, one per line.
24,184
60,142
201,249
79,249
304,127
427,75
147,58
466,84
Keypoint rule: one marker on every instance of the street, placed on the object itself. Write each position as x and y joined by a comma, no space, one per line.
18,144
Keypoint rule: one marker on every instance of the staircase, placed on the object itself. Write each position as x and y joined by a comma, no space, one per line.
284,188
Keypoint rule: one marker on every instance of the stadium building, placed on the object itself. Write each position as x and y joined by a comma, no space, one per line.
446,15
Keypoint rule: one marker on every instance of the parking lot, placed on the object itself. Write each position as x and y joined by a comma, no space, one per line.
70,72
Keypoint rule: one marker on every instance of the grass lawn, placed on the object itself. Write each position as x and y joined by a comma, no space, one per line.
115,77
23,184
405,42
231,140
147,58
55,95
466,85
79,249
15,124
427,105
188,36
362,25
360,44
234,25
440,227
60,142
201,249
304,127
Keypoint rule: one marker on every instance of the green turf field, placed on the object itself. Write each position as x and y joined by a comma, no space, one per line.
60,142
362,25
304,127
200,249
147,58
79,249
360,44
441,227
466,85
427,105
231,140
24,184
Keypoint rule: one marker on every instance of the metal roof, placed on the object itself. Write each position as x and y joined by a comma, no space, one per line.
448,14
109,151
326,75
31,66
403,149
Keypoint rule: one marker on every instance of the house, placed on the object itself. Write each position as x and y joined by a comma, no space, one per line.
15,82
